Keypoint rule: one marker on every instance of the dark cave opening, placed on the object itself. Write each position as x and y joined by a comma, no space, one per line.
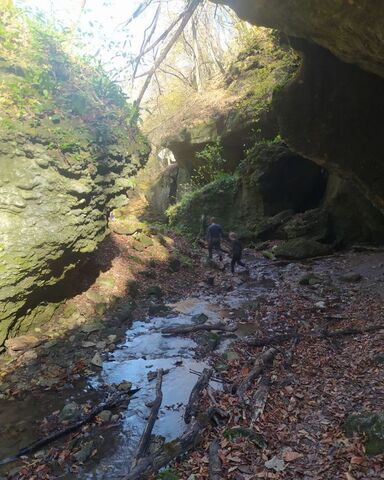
293,183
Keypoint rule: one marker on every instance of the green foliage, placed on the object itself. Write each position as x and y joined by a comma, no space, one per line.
133,288
262,67
212,168
173,210
185,215
168,474
185,262
46,92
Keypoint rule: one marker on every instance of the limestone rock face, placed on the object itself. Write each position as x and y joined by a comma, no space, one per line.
68,145
352,30
332,111
272,180
278,194
234,130
18,345
53,211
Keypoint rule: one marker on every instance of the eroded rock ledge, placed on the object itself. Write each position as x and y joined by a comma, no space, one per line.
53,213
332,111
351,29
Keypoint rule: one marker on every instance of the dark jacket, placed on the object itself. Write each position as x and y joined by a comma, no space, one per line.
214,233
236,248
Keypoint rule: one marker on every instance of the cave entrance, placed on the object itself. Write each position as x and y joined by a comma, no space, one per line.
292,183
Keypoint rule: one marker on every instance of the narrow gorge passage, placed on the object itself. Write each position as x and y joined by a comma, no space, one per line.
191,240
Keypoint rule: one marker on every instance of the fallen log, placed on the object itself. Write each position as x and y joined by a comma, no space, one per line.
155,406
200,385
206,327
290,354
154,462
352,331
39,444
214,461
262,361
259,400
279,339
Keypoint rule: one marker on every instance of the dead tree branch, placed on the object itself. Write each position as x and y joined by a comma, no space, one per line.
279,339
259,400
214,461
39,444
153,463
263,361
206,327
155,406
193,4
201,384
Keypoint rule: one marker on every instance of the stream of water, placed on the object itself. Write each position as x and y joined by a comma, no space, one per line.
145,350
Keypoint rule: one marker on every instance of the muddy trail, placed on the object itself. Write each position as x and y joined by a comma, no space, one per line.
286,422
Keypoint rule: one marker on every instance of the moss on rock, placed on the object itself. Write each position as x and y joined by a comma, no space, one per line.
299,248
66,141
370,424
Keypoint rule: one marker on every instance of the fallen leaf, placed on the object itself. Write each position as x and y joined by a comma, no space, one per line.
348,476
357,460
276,464
290,456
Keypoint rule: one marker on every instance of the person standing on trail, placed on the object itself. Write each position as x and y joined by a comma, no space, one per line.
214,237
236,251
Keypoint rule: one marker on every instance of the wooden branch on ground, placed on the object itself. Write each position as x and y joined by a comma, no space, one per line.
39,444
290,353
352,331
262,361
367,248
279,339
214,461
212,379
155,406
206,327
259,400
201,384
154,462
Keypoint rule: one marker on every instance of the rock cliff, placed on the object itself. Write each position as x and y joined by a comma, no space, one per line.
352,30
66,153
332,111
329,112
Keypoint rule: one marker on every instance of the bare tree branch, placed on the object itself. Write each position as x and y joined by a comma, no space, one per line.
193,4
